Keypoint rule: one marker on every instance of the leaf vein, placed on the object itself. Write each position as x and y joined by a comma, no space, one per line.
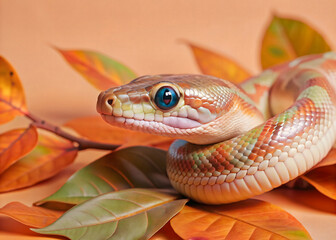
120,173
241,220
108,182
143,209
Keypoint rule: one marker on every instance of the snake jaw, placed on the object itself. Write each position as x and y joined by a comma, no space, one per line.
171,124
139,113
182,123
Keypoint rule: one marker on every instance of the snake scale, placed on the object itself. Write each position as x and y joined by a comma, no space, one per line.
237,141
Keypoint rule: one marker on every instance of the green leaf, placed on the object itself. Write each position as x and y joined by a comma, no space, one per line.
128,214
99,70
140,167
286,39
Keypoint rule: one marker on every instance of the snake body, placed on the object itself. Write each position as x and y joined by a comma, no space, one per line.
229,152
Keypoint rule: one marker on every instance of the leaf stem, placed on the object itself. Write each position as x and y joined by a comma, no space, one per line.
82,143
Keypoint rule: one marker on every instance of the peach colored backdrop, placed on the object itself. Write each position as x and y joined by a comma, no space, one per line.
144,35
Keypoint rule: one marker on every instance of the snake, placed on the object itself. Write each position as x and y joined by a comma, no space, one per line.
234,141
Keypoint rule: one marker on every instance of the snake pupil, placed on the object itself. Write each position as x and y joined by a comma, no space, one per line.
166,98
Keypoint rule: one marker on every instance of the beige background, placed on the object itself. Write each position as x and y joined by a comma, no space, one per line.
145,35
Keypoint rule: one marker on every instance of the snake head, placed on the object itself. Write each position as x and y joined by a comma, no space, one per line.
196,108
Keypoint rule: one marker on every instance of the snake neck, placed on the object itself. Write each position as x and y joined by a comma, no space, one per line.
239,115
269,155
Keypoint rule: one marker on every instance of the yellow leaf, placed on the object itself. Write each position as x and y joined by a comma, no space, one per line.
12,99
286,39
214,64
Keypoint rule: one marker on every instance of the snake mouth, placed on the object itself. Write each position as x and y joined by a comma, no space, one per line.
167,122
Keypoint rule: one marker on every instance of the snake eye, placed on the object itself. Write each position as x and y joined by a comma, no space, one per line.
166,98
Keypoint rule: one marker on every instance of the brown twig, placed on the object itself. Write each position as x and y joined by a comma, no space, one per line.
82,143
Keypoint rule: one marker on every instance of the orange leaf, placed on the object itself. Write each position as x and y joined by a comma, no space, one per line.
250,219
309,198
330,159
286,39
12,99
166,233
50,156
324,180
15,144
99,70
96,129
219,66
31,216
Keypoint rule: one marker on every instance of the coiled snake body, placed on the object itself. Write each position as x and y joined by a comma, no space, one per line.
229,152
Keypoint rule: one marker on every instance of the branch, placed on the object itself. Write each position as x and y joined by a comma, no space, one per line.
82,143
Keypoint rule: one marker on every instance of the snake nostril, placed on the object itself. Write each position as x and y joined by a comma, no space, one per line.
105,103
